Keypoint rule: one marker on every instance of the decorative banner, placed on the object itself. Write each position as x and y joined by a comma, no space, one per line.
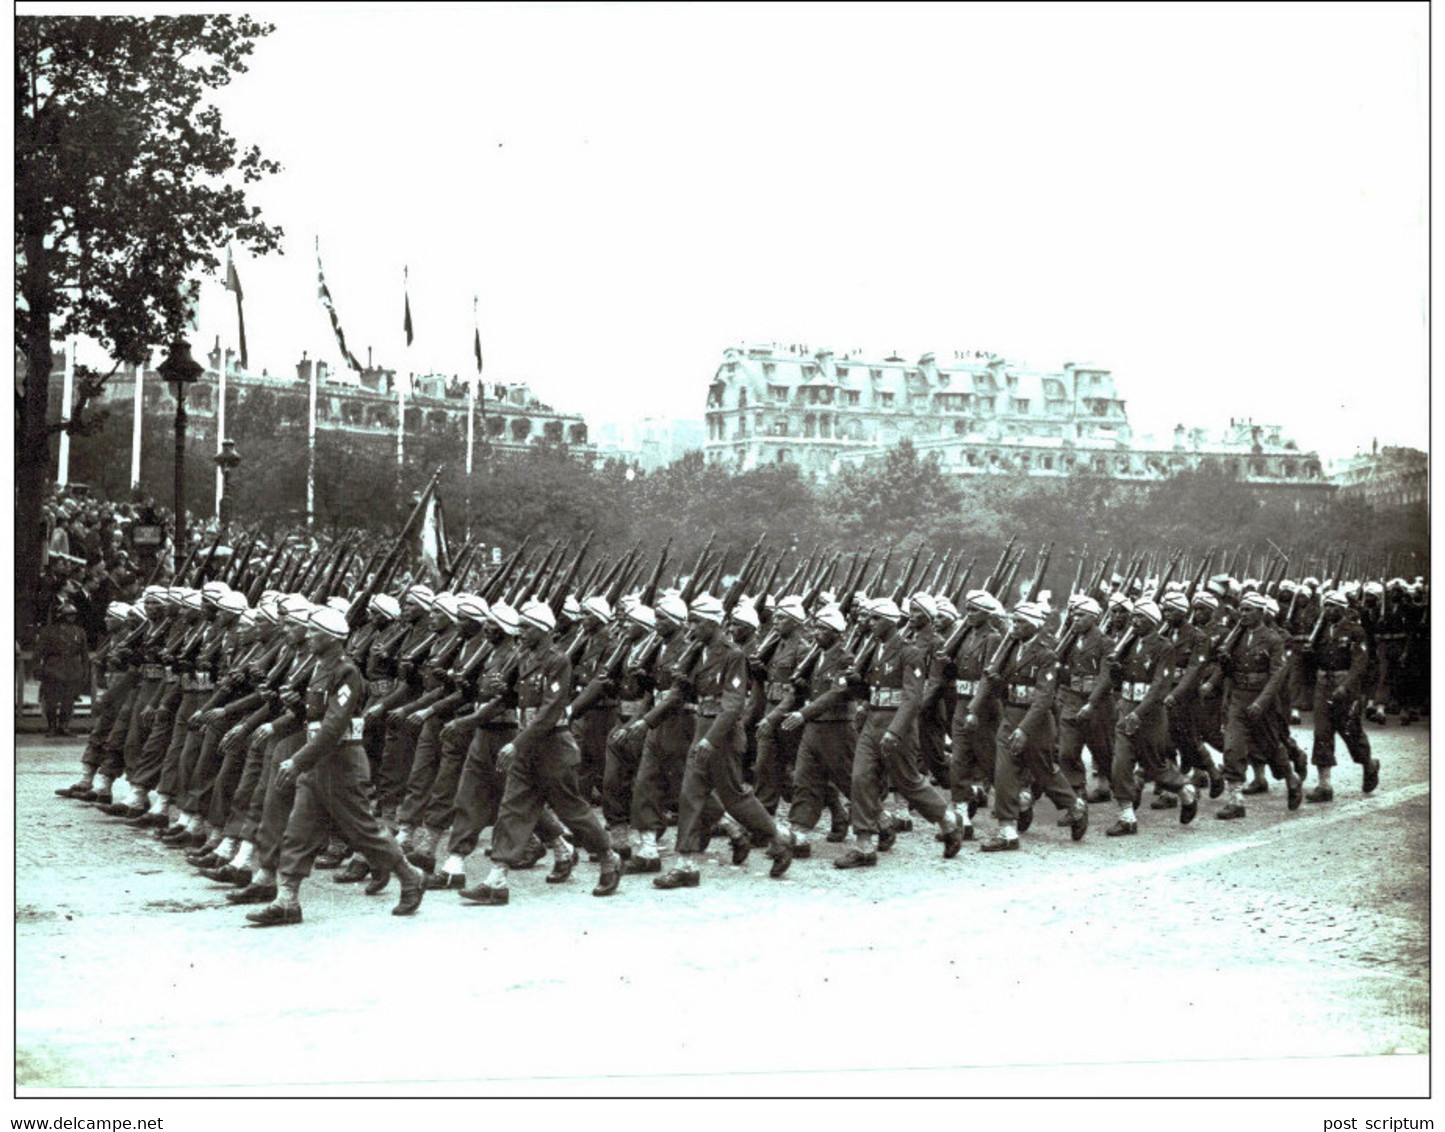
324,294
233,283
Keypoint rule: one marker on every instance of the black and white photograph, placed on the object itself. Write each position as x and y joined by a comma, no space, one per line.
846,552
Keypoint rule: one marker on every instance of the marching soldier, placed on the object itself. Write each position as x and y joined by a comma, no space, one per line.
972,765
712,781
887,751
330,775
1086,702
778,749
824,749
1024,750
540,765
1192,646
1340,656
1146,675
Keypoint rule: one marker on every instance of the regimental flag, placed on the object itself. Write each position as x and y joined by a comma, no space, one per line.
233,283
476,336
434,553
479,391
324,294
406,301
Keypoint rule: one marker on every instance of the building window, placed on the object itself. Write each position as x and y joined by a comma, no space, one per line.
780,426
851,396
876,374
810,425
769,368
778,392
886,400
984,404
960,427
1024,461
1047,463
782,455
1020,404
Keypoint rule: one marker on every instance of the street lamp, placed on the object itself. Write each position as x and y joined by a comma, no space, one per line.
181,370
226,459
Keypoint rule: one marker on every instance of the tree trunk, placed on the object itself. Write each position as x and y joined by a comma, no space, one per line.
32,443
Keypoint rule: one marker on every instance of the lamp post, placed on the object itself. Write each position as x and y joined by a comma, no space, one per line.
181,370
226,459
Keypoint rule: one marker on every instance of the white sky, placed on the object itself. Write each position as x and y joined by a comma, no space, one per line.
1225,205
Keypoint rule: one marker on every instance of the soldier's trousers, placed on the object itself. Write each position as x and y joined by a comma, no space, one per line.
277,797
1345,718
933,756
773,772
172,783
441,803
875,770
478,797
973,754
396,758
205,770
590,733
659,774
1211,721
101,754
249,804
137,729
158,739
824,765
112,745
1033,765
231,797
1250,740
712,782
624,756
1184,738
330,801
543,777
425,763
1146,749
1096,733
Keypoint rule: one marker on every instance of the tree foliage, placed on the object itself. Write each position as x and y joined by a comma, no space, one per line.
126,185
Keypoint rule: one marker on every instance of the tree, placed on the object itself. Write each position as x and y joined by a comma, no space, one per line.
125,187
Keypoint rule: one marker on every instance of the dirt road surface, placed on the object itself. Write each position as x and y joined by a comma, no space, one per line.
1283,955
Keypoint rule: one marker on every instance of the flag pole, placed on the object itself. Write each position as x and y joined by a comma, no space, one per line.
66,395
140,375
401,387
311,450
220,435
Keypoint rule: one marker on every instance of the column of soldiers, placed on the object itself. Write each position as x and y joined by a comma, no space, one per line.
271,731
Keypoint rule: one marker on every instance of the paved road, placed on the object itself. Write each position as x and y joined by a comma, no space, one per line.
1285,955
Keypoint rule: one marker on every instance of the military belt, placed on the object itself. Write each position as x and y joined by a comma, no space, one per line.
778,691
709,706
966,687
352,734
886,698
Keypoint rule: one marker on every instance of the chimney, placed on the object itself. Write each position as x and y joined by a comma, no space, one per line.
303,368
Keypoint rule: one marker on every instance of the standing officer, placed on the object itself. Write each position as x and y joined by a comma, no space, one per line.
63,665
1341,656
330,775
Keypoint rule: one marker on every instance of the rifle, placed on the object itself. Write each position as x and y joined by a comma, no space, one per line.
1199,575
649,591
1006,582
389,564
454,568
997,576
493,588
690,590
1101,572
200,575
563,585
1168,574
258,587
855,575
1079,571
326,577
958,592
239,561
879,574
901,591
941,572
813,594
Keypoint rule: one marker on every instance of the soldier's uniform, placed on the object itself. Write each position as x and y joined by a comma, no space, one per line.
894,681
1146,675
591,729
1084,679
624,747
1341,656
664,750
332,776
778,749
1253,668
63,665
971,772
712,781
543,774
1191,659
824,762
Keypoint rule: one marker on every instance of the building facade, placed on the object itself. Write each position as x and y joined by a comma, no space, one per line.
1386,477
979,413
509,418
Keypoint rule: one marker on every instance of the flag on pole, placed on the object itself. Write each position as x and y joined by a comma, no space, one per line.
476,336
324,294
233,283
434,551
406,299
